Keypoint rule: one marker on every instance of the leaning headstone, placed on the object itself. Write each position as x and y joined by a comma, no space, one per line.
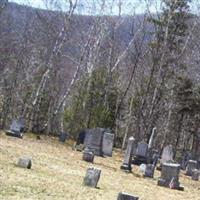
88,156
24,163
92,177
125,196
15,130
195,175
167,154
170,176
63,136
128,155
192,165
149,171
107,146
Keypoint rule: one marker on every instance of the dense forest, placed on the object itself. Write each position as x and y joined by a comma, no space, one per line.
62,71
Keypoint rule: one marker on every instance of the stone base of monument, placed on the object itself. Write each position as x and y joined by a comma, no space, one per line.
24,163
125,196
92,177
88,156
175,185
126,168
14,134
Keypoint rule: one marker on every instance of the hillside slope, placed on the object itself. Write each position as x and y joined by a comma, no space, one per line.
58,173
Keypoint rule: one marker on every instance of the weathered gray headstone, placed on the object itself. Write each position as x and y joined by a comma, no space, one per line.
149,171
93,140
142,149
195,175
15,129
92,177
170,176
126,196
167,154
88,156
107,146
24,163
128,155
192,165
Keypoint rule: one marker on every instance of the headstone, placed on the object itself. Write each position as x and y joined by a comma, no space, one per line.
126,196
170,176
81,137
107,146
24,163
93,140
63,136
195,175
142,149
15,130
149,171
92,177
192,165
186,157
167,154
128,155
88,156
155,158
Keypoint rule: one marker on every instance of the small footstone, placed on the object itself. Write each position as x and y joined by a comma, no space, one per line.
92,177
195,175
125,196
24,163
88,156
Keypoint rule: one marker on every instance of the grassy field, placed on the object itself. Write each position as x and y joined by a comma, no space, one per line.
58,172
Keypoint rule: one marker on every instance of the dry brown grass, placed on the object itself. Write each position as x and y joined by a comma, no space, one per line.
58,173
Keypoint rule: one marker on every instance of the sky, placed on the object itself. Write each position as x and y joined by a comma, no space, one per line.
92,7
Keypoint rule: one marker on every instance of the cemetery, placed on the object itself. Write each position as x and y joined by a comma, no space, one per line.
54,171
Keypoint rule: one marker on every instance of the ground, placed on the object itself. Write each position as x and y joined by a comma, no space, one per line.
58,172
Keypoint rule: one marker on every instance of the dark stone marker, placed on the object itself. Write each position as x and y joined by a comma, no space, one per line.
192,165
149,171
88,156
24,163
63,137
195,175
170,176
125,196
128,155
92,177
